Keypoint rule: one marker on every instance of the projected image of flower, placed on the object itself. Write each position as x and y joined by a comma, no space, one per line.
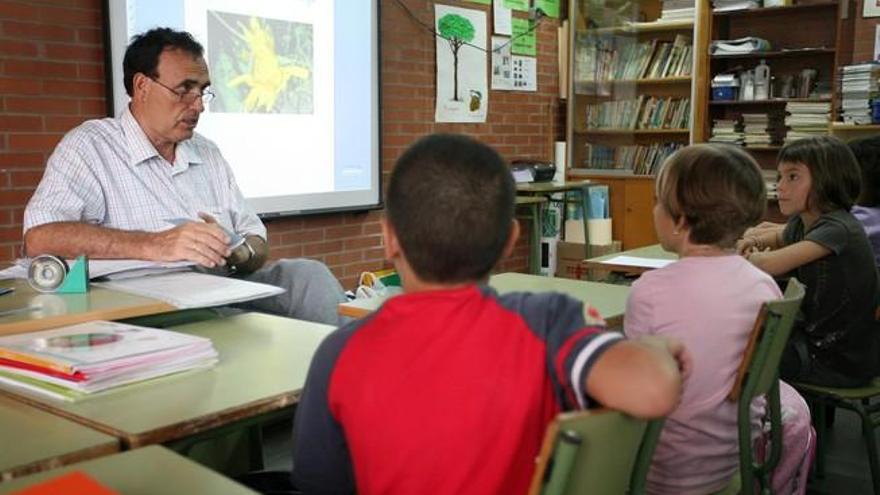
260,65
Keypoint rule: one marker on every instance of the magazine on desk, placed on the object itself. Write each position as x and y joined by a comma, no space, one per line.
71,362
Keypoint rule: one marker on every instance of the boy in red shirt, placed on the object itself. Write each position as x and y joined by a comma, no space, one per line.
448,388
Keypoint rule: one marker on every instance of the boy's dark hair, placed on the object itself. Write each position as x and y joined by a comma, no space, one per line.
718,189
867,153
451,203
142,55
833,171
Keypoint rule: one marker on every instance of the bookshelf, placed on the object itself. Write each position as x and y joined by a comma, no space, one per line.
813,34
632,73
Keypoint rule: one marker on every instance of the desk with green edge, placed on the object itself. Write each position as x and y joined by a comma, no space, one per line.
533,204
32,440
55,310
547,189
651,254
609,299
149,471
264,360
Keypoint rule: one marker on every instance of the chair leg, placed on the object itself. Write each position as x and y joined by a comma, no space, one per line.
818,411
870,442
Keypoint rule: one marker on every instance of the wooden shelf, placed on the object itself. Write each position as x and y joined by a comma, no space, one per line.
607,173
763,147
644,27
632,131
841,127
775,10
770,101
777,54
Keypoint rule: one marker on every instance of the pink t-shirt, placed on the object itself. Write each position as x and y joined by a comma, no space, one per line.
710,304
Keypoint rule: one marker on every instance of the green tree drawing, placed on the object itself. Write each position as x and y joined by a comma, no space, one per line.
457,30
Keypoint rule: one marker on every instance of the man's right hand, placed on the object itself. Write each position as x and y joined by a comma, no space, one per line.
202,243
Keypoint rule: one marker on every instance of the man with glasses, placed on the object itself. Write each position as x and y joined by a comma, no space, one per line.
120,187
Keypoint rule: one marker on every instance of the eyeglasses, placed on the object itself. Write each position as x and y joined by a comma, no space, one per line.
188,97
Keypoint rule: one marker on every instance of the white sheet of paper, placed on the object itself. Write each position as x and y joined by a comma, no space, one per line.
502,18
502,64
525,73
193,290
106,268
462,82
638,261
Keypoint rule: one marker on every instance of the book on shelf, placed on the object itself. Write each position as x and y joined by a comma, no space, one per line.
71,362
605,58
639,159
858,90
644,112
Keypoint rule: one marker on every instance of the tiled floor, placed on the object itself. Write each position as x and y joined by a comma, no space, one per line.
847,471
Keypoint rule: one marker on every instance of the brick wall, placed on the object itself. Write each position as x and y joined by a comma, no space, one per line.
863,39
52,78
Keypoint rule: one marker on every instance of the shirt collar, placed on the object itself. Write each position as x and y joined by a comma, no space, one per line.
141,149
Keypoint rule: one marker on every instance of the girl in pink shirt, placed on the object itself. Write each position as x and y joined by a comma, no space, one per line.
707,195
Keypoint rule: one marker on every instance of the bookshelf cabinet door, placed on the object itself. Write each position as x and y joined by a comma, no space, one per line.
638,216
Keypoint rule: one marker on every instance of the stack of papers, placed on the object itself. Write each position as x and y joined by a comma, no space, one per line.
858,89
727,131
71,362
749,44
108,269
806,119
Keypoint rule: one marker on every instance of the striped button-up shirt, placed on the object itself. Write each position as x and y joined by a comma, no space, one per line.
106,172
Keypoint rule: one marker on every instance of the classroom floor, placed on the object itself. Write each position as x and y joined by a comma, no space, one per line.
847,470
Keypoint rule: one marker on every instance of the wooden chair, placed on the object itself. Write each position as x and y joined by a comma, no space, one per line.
759,375
596,452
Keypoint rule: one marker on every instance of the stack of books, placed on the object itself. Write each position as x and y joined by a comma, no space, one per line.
677,10
806,119
858,88
763,129
731,5
770,182
69,363
728,131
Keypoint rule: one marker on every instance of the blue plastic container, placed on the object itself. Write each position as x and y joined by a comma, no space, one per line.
724,93
875,111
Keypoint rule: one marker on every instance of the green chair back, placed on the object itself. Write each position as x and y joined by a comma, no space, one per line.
588,452
759,375
639,478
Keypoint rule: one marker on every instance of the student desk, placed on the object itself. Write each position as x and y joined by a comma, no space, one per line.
54,310
32,440
547,189
654,252
534,205
263,364
147,471
609,299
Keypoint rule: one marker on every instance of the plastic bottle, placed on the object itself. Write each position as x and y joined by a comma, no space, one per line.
762,81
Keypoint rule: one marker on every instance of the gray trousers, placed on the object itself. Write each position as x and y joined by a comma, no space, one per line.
311,291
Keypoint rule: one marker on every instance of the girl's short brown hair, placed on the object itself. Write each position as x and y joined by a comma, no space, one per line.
718,190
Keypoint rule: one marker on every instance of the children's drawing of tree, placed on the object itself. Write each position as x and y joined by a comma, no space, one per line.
457,30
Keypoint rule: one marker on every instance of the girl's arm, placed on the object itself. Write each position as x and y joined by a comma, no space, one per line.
785,259
768,238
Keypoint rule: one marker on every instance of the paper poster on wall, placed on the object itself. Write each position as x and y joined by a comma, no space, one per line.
871,8
520,5
525,73
502,64
462,93
550,7
501,18
877,43
524,40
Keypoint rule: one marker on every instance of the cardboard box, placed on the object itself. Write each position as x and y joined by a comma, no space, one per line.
569,256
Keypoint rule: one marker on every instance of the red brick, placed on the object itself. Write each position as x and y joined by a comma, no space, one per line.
26,179
33,142
77,17
90,36
21,160
17,10
302,236
322,248
63,123
84,53
12,48
36,31
10,234
343,258
343,232
18,123
34,68
363,242
18,86
15,197
93,107
92,72
93,89
44,106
